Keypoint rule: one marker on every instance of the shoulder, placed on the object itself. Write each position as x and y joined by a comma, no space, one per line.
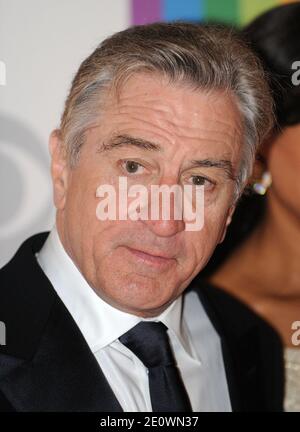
26,298
25,252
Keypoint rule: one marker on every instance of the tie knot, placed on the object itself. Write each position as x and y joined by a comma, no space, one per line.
149,341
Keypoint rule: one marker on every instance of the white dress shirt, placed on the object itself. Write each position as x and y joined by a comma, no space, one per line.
194,341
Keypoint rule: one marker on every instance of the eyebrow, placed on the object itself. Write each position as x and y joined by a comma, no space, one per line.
223,164
127,140
118,141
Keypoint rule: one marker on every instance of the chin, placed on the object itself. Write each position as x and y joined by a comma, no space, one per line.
137,295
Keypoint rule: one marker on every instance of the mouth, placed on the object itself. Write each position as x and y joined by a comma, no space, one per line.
158,260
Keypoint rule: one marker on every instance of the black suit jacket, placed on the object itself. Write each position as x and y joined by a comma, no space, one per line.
46,364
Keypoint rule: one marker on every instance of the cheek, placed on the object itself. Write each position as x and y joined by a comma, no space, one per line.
284,165
82,200
81,205
202,244
81,224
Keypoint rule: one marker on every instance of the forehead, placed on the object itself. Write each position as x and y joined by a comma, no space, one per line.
151,107
154,91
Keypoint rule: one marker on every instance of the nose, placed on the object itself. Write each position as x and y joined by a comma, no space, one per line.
165,209
165,228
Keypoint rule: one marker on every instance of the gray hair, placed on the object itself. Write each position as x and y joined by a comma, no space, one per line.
207,56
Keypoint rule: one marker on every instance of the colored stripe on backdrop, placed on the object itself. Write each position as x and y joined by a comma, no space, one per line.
226,11
238,12
251,9
191,10
143,11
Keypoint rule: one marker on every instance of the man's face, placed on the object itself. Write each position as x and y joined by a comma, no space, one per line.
153,133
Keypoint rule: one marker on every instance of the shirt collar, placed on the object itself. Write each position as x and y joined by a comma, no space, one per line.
99,322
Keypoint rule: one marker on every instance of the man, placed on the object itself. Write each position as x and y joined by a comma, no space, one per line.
102,314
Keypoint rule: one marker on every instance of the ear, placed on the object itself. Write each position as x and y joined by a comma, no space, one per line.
59,169
260,163
227,222
258,169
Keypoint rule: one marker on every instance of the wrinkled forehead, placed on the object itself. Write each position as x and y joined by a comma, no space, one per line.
177,98
151,103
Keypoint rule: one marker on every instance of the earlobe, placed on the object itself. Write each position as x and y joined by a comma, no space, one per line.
59,169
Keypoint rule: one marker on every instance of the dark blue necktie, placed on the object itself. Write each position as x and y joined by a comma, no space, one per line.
149,341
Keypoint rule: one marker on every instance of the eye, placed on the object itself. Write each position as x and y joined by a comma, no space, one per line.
201,181
132,167
198,180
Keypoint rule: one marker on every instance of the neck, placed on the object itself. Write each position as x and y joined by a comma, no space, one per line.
276,243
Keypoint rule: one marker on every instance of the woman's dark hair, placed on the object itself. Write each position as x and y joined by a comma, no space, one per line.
275,37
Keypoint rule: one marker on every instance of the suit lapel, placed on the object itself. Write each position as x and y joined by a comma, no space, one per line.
46,364
240,346
63,375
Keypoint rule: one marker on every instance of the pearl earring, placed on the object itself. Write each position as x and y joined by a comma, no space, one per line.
263,185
